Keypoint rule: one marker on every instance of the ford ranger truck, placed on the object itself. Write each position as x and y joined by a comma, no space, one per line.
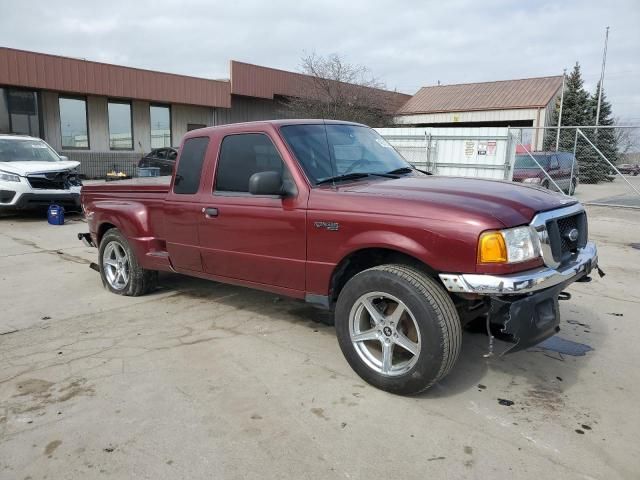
329,212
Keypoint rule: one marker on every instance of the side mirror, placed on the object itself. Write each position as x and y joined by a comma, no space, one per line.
266,183
64,158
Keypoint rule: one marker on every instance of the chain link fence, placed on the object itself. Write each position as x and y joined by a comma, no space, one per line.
96,165
599,165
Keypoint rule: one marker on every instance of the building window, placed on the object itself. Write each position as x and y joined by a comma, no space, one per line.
19,112
73,123
160,116
120,126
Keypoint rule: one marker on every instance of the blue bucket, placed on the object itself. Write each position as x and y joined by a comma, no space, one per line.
55,215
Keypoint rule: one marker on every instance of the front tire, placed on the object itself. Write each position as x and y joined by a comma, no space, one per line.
398,328
119,268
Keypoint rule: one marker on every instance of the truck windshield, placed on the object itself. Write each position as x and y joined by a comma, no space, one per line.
328,151
526,162
26,150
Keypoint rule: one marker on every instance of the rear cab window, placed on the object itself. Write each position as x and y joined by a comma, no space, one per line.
189,172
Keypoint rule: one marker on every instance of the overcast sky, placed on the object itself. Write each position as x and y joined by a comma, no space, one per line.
407,44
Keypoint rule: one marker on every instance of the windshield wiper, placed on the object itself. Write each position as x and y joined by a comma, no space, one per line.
408,170
354,176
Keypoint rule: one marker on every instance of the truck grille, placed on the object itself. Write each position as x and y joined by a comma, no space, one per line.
560,230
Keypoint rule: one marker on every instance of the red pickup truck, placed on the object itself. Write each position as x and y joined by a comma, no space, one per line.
329,212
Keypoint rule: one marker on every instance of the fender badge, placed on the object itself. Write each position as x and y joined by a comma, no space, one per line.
331,226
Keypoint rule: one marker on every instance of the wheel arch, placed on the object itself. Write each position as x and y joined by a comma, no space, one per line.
364,258
102,229
131,218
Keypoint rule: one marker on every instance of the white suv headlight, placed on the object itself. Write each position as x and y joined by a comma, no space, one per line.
9,177
512,245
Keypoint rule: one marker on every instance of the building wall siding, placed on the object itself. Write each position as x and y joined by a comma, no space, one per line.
249,109
63,74
98,124
51,119
141,126
471,116
181,115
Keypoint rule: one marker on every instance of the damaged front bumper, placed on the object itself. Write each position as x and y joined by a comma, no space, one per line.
524,306
524,282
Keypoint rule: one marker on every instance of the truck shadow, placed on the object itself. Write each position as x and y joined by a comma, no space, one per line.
38,215
544,369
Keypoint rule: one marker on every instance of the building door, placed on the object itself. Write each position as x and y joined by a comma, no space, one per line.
257,238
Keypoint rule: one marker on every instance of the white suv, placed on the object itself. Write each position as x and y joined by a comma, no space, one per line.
33,175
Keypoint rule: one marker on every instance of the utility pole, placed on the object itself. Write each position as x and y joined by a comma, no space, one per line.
604,61
564,76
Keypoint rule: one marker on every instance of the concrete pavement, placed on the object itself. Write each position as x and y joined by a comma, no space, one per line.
204,380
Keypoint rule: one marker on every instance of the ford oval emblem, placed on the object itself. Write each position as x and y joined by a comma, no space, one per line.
573,234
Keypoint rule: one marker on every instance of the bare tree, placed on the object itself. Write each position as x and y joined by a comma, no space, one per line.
331,88
627,139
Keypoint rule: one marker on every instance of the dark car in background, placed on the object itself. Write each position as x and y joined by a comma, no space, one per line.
561,167
162,158
629,169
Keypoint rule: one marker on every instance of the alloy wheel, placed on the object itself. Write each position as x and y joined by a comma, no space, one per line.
115,264
384,333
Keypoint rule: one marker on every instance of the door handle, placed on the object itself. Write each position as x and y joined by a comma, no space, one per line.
210,212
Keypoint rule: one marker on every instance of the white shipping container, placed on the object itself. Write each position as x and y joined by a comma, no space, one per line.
486,152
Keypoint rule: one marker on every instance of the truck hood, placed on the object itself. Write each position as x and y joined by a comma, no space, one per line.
456,198
28,168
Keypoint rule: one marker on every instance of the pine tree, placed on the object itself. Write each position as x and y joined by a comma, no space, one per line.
578,110
575,111
605,139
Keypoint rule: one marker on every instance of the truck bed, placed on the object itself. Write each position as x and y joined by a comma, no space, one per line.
153,185
142,201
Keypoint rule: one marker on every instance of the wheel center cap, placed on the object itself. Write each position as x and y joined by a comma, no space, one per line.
387,331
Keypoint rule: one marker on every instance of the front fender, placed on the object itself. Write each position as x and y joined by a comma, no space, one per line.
384,239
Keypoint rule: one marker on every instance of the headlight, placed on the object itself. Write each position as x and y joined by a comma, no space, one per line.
9,177
512,245
532,180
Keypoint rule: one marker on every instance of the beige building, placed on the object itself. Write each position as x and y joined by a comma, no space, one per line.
107,116
508,103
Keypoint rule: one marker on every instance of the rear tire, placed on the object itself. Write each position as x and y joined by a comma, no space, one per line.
119,268
403,353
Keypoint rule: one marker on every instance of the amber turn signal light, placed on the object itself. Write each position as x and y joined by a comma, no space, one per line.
492,248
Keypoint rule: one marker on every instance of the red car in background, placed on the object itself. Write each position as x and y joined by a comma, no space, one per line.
561,167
